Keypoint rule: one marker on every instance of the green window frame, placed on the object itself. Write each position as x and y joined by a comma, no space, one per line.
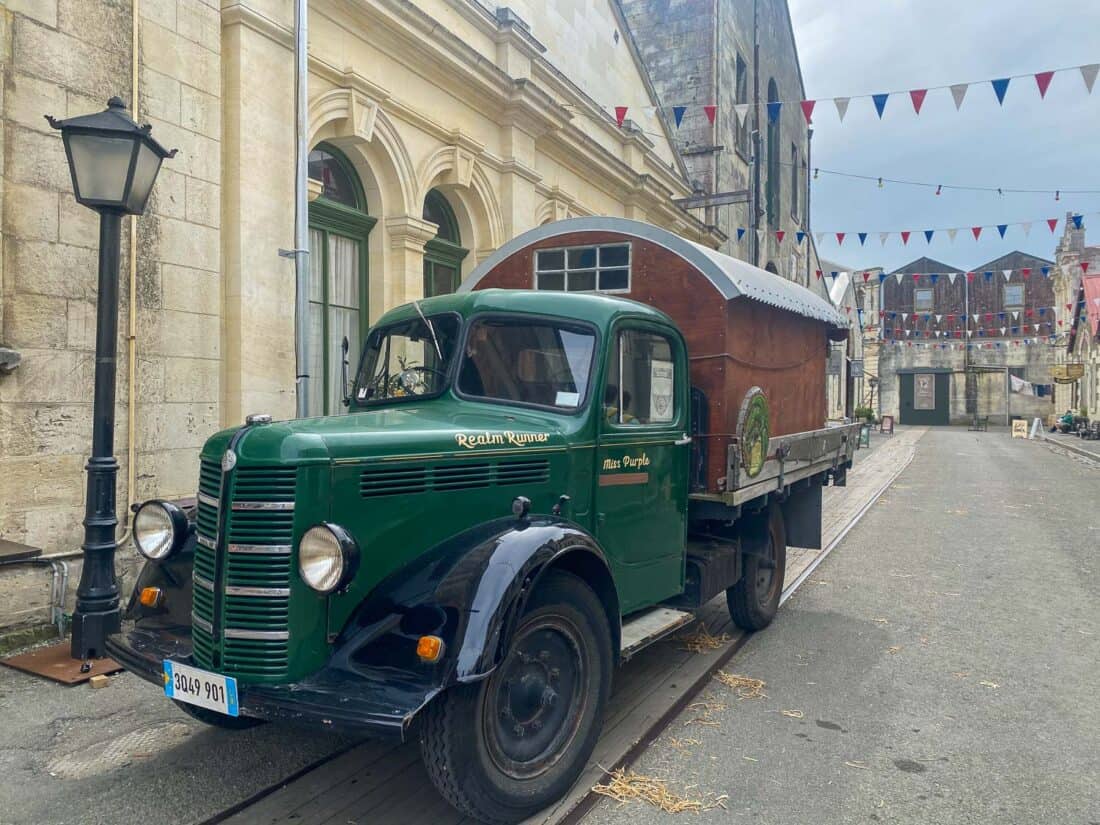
330,220
443,254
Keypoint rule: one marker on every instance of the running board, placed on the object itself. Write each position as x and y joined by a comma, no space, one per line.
651,626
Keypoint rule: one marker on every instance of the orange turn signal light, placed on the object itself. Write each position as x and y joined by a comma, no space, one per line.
150,596
429,648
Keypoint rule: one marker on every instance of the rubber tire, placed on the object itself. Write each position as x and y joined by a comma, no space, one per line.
218,720
451,742
746,609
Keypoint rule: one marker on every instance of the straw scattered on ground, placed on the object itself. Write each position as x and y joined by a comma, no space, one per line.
746,687
704,710
794,714
626,786
702,640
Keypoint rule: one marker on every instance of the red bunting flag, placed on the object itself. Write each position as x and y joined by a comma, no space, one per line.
818,273
977,230
916,277
970,276
866,275
1059,322
1069,306
848,309
808,109
1025,272
1042,79
620,115
779,235
917,96
710,110
905,237
989,317
840,238
1030,313
1052,222
1084,266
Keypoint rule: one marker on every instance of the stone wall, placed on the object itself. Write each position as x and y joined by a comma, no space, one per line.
66,57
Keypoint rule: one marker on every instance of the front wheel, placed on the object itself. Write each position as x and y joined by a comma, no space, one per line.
502,749
754,600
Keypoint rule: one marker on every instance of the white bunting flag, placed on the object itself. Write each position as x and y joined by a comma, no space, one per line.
1016,315
1007,273
904,317
899,276
906,333
939,318
842,103
1026,226
759,238
958,91
951,276
951,233
1003,330
819,237
969,333
882,237
741,110
1088,73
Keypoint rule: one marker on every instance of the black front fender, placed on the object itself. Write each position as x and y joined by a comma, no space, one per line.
470,591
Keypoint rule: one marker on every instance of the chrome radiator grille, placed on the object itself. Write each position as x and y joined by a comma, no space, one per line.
246,573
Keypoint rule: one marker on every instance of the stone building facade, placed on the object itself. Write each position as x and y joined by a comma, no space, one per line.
701,52
1077,262
438,130
979,325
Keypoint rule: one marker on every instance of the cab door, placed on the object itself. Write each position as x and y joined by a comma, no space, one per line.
642,462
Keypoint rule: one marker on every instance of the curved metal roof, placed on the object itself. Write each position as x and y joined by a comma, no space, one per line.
732,278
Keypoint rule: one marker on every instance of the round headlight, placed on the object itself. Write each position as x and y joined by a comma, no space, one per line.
159,529
327,557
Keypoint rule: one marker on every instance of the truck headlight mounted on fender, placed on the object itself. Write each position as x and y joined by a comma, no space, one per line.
327,557
159,529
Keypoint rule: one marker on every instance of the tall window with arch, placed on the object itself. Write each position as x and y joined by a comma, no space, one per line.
338,230
771,186
443,254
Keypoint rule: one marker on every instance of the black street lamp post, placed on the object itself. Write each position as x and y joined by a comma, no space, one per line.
113,162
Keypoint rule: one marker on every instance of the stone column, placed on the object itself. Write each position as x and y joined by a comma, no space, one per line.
407,235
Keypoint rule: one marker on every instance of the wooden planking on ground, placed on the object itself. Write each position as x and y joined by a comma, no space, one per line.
383,784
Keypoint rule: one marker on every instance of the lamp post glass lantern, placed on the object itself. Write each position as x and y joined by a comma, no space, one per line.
113,163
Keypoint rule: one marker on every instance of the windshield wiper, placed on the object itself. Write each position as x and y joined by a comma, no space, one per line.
431,329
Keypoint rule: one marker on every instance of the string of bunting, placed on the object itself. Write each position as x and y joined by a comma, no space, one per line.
917,97
1010,318
934,277
906,234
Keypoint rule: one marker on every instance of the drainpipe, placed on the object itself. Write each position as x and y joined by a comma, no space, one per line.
301,209
59,585
131,333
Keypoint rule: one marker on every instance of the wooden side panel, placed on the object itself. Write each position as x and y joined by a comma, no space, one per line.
733,345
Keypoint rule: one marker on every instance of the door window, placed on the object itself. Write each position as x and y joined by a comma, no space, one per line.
641,382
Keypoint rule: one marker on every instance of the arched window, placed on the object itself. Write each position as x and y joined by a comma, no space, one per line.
771,186
443,254
338,229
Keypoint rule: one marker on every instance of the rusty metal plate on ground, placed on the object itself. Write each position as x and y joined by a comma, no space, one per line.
54,662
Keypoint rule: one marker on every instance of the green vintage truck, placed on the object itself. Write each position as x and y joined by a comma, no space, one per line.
516,500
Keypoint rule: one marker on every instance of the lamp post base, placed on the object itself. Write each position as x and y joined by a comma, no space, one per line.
90,630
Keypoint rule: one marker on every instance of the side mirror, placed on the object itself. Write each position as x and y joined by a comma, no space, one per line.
344,372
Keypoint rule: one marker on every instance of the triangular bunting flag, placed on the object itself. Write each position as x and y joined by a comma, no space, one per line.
862,237
819,237
1000,86
917,96
1042,80
1026,226
1007,273
898,276
916,277
620,115
818,273
977,230
951,277
951,233
958,92
866,276
1026,273
808,110
799,236
741,110
1084,266
1001,227
939,318
1052,222
1088,74
935,276
740,233
880,102
988,274
710,110
882,237
1046,271
928,233
1016,315
970,276
1077,221
881,277
678,114
779,233
842,106
905,237
840,238
833,275
759,237
1003,330
904,317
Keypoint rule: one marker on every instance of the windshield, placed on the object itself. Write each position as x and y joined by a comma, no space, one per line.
530,362
407,360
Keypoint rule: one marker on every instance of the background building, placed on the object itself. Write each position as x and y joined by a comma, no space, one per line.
438,130
1075,294
973,330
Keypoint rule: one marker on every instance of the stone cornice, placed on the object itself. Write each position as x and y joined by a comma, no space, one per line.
409,232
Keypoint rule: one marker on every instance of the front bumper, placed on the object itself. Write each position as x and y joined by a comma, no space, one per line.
379,705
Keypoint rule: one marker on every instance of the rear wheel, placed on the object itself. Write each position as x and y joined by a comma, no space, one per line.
754,600
504,748
218,720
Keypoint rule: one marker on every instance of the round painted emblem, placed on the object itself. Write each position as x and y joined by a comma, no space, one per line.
229,461
753,431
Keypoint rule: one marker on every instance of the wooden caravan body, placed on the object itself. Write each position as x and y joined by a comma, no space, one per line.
745,327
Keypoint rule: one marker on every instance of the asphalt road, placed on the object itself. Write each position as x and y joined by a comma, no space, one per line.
940,666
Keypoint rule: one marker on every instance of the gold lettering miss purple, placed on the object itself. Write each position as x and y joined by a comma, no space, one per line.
472,440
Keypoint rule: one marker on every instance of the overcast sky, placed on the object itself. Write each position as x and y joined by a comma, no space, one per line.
855,47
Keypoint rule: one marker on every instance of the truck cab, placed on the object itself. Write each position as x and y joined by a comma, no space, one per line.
503,514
